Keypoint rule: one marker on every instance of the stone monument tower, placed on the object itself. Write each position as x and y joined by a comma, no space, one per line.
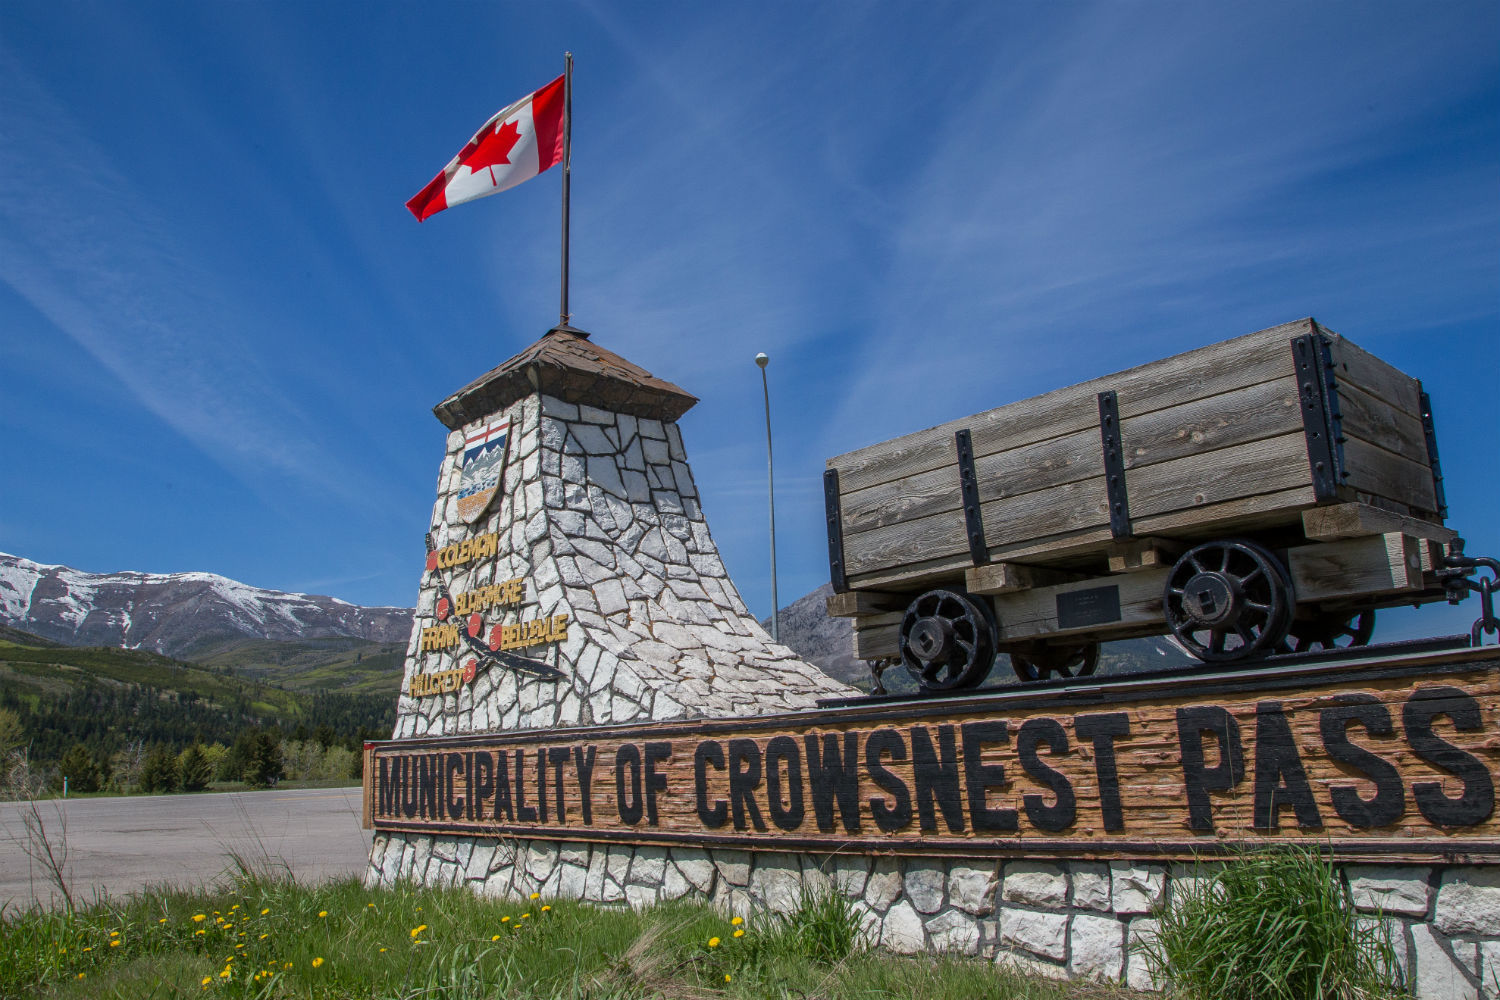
571,578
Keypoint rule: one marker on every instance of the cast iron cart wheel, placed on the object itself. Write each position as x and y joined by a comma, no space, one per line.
1229,600
1329,631
948,640
1034,663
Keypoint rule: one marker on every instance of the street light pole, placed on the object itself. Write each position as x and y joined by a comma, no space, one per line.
762,361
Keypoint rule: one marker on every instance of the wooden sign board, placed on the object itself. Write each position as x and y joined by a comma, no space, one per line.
1370,757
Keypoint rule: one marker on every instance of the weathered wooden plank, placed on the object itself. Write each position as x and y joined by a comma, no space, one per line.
1222,519
1432,552
1375,564
1070,549
853,603
1352,520
877,643
910,576
1003,577
1372,469
1262,410
367,782
1035,613
1143,553
1380,423
1075,548
1028,517
1208,371
1010,473
1353,365
1198,481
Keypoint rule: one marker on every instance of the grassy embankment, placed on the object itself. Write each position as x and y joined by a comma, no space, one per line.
266,938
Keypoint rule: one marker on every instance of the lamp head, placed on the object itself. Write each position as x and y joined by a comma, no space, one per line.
762,360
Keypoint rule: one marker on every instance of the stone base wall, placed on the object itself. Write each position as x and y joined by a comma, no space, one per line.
1067,919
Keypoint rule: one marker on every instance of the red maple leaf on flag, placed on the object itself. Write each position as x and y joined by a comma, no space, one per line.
493,149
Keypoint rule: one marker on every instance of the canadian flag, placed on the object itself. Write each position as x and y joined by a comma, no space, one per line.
513,146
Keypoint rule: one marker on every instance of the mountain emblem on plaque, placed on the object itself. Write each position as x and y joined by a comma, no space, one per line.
481,465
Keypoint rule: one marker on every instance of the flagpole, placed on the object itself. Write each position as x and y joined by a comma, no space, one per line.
567,165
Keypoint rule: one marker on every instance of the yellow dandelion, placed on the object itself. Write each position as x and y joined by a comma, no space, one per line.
322,913
505,920
89,948
114,933
419,909
263,937
525,915
80,975
418,930
162,920
713,942
228,924
494,937
736,921
369,906
198,918
206,980
739,932
240,945
265,911
236,906
318,962
115,943
224,974
497,935
288,965
726,977
546,909
199,933
536,895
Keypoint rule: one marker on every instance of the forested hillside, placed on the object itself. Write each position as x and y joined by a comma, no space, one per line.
117,716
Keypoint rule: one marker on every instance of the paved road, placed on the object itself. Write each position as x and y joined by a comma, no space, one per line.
121,845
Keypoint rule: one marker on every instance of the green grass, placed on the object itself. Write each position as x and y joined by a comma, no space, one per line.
339,940
1271,925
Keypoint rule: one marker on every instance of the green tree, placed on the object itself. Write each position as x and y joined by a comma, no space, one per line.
193,769
214,754
159,772
236,760
265,767
79,767
12,736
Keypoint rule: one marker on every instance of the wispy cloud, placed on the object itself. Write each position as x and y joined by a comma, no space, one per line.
82,246
1139,165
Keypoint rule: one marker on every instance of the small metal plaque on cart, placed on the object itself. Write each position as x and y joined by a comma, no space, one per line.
1094,606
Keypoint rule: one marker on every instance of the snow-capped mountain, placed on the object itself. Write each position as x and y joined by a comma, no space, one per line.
175,613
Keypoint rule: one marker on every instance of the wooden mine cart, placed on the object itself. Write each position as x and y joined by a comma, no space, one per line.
1264,494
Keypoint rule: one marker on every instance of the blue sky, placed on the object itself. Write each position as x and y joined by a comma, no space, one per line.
221,333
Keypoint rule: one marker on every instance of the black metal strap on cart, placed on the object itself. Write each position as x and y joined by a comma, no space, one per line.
835,517
1458,568
1114,464
1322,423
968,488
1429,432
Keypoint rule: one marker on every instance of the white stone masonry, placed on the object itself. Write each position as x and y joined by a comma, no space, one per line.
599,513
